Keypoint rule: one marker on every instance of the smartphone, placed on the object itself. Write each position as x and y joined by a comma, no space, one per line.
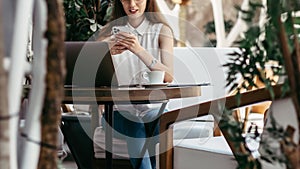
117,29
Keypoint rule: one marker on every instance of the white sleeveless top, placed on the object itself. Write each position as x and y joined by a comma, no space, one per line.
130,69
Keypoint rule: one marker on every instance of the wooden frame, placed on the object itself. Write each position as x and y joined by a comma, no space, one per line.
230,102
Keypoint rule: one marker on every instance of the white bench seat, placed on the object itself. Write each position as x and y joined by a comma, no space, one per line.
213,152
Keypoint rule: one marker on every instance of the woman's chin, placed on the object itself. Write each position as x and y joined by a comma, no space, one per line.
134,16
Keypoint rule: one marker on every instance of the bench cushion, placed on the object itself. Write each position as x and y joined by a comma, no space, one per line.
204,153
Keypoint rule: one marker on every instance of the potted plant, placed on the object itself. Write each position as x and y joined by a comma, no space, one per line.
274,42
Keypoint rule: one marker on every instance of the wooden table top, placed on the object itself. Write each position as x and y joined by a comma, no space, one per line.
114,95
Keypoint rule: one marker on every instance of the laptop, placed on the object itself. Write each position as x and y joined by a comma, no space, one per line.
89,64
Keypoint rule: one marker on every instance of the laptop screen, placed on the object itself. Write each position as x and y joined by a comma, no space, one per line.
89,64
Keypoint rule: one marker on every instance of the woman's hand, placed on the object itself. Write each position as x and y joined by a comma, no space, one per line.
116,49
113,46
128,41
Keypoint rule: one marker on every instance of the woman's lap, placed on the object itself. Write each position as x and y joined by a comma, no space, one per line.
126,124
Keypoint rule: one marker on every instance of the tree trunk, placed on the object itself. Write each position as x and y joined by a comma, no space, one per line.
51,114
4,114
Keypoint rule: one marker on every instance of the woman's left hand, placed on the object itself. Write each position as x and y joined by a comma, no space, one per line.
129,41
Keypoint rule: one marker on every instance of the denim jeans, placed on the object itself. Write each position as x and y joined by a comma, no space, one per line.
134,131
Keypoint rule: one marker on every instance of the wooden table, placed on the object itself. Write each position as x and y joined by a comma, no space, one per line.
110,96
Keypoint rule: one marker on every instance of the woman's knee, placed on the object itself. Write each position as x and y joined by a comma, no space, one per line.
151,115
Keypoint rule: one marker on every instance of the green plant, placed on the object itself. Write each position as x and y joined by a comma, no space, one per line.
255,52
84,18
273,46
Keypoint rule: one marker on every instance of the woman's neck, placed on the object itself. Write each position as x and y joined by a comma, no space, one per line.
135,22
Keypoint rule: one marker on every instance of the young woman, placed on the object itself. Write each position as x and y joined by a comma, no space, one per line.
146,46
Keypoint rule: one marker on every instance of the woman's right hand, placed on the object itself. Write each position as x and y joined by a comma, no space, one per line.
114,47
117,49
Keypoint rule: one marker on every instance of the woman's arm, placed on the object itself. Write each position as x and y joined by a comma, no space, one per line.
166,44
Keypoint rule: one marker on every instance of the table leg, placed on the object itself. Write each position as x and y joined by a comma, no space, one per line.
94,125
151,133
108,135
94,118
